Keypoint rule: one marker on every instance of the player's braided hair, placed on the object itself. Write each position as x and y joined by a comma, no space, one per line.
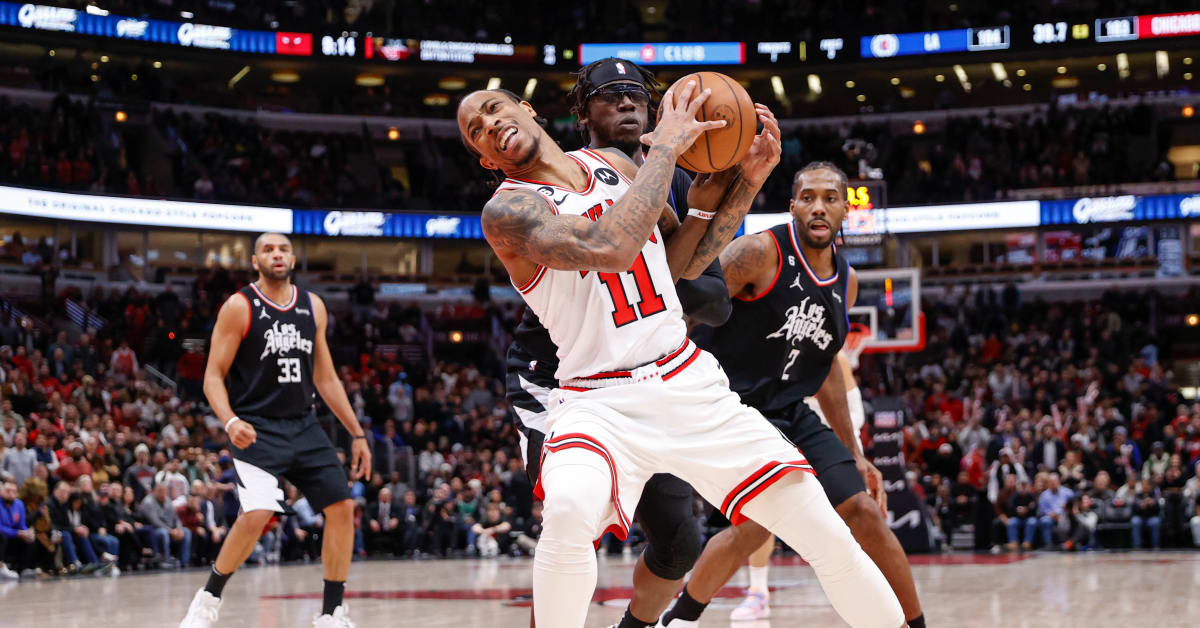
577,97
822,165
497,179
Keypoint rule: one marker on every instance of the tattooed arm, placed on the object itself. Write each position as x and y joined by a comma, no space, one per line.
524,233
750,264
520,225
754,170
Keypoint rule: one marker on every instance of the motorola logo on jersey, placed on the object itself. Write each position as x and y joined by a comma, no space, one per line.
606,176
283,338
805,321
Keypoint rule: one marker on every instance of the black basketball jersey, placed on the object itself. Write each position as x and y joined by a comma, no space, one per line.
272,373
778,348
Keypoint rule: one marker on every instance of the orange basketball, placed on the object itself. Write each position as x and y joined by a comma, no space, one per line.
719,149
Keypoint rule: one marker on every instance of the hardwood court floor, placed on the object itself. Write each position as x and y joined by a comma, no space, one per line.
1052,590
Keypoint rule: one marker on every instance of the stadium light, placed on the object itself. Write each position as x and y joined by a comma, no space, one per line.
1188,111
1187,60
286,76
849,84
1062,69
452,83
51,52
456,336
918,127
368,80
895,80
1020,71
393,133
1122,65
1102,67
158,65
95,10
1162,63
814,83
777,87
861,98
1193,320
1187,76
999,72
962,77
530,85
239,76
939,77
493,83
103,58
120,116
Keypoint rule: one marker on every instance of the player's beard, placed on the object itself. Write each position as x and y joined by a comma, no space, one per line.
274,275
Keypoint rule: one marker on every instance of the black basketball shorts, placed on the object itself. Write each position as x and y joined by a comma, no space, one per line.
832,461
296,449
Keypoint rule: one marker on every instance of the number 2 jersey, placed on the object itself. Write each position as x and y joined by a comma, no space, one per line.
603,321
272,372
777,349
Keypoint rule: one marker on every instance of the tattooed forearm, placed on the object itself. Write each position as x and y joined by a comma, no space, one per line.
520,223
723,226
744,261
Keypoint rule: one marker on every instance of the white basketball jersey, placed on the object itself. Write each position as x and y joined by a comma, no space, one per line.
603,321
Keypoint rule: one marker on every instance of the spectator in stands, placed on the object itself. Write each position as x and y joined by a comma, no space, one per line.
165,530
1147,511
528,538
88,503
175,482
399,399
1052,513
1021,512
124,361
78,554
1084,520
16,537
1157,462
75,465
491,532
140,475
121,523
383,530
18,461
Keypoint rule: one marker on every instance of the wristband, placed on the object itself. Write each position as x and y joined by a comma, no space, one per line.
362,436
701,214
231,422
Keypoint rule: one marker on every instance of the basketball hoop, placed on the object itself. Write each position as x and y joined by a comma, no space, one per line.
856,340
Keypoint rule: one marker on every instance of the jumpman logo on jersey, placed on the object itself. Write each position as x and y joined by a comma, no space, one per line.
263,314
796,283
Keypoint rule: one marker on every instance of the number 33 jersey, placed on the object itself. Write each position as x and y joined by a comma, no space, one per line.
603,321
272,372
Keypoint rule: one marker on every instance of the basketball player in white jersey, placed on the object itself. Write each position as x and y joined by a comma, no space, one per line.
636,397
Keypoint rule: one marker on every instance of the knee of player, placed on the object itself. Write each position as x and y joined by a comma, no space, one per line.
863,517
256,519
679,555
749,536
342,510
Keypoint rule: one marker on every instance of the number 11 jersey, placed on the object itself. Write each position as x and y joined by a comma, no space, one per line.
603,321
272,372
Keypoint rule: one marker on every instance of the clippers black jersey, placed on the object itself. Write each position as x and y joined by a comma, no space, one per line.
272,373
778,348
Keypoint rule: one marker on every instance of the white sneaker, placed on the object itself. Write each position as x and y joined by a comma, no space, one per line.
203,611
678,623
755,606
8,574
339,619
